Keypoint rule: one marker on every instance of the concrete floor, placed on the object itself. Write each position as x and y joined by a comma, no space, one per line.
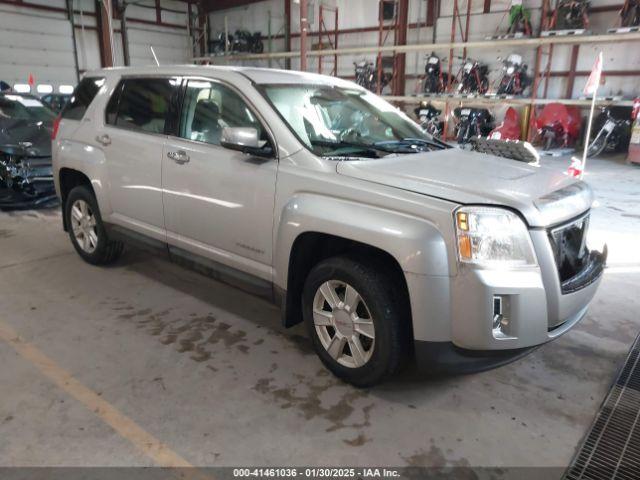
208,370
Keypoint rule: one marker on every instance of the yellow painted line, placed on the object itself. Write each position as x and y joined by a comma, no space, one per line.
149,445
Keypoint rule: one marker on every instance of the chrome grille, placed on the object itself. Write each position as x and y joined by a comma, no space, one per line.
611,449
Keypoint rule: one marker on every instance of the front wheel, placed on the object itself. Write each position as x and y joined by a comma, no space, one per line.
86,229
354,316
597,146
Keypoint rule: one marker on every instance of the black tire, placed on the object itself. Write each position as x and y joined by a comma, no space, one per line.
388,310
106,251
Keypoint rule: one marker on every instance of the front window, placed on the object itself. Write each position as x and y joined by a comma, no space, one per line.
335,121
23,107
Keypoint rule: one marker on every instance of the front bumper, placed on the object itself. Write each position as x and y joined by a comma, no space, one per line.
537,310
27,184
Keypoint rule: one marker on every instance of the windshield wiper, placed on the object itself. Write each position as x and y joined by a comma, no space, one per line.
350,147
411,145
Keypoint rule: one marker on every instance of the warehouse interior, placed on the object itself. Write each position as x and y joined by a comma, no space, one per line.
145,363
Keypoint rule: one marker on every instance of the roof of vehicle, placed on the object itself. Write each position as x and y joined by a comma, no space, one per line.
255,74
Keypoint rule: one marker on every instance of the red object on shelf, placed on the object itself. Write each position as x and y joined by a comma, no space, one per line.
509,129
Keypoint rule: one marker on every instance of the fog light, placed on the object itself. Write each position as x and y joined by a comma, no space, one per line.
501,318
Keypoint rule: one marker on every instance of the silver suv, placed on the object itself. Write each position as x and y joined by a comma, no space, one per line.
324,198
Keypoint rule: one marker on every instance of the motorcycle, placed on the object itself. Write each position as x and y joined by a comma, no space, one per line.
429,119
435,80
241,41
474,77
367,76
558,126
630,13
570,15
514,76
472,122
519,20
613,134
509,129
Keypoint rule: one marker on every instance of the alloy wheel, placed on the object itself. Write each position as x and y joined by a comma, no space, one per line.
83,225
343,323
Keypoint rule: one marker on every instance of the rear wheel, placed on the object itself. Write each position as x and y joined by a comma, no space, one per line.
355,320
86,230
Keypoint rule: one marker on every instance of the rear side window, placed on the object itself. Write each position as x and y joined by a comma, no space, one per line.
82,97
140,104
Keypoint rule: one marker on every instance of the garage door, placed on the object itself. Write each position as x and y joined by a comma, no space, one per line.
36,43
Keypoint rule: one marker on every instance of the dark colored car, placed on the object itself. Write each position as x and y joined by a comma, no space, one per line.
56,101
25,151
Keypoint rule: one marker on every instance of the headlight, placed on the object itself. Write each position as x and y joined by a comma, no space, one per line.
493,237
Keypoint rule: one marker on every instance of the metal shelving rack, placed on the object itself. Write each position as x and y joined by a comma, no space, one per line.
540,43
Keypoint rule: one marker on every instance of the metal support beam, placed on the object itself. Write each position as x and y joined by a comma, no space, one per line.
304,28
73,38
105,33
400,59
572,71
122,13
287,32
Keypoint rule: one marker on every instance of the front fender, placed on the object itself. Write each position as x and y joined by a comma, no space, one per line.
416,243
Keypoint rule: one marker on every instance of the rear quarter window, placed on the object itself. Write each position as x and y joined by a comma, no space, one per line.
82,97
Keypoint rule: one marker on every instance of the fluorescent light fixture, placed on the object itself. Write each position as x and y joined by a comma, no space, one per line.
44,88
22,87
67,89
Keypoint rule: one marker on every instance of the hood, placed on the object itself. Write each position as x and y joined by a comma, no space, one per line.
542,195
25,138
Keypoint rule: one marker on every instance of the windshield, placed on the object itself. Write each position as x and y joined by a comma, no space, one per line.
20,107
335,121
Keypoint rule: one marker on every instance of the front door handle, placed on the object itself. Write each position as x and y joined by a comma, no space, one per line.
104,140
179,157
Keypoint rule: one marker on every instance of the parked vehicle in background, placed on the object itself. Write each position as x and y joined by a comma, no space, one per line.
630,13
472,122
242,41
429,119
474,77
570,15
25,151
514,79
324,198
612,131
558,126
56,101
435,80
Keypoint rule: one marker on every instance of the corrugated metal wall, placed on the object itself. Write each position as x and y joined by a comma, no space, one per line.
39,43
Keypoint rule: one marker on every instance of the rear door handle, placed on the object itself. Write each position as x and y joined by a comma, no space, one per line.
179,157
104,140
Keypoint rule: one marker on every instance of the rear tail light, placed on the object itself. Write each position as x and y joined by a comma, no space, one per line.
56,126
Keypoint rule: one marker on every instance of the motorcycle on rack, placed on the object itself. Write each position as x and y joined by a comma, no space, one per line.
570,15
558,126
245,41
514,79
630,14
367,76
474,77
242,41
472,122
435,80
614,132
519,20
429,119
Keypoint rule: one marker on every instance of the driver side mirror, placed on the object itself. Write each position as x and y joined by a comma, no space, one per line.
245,140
